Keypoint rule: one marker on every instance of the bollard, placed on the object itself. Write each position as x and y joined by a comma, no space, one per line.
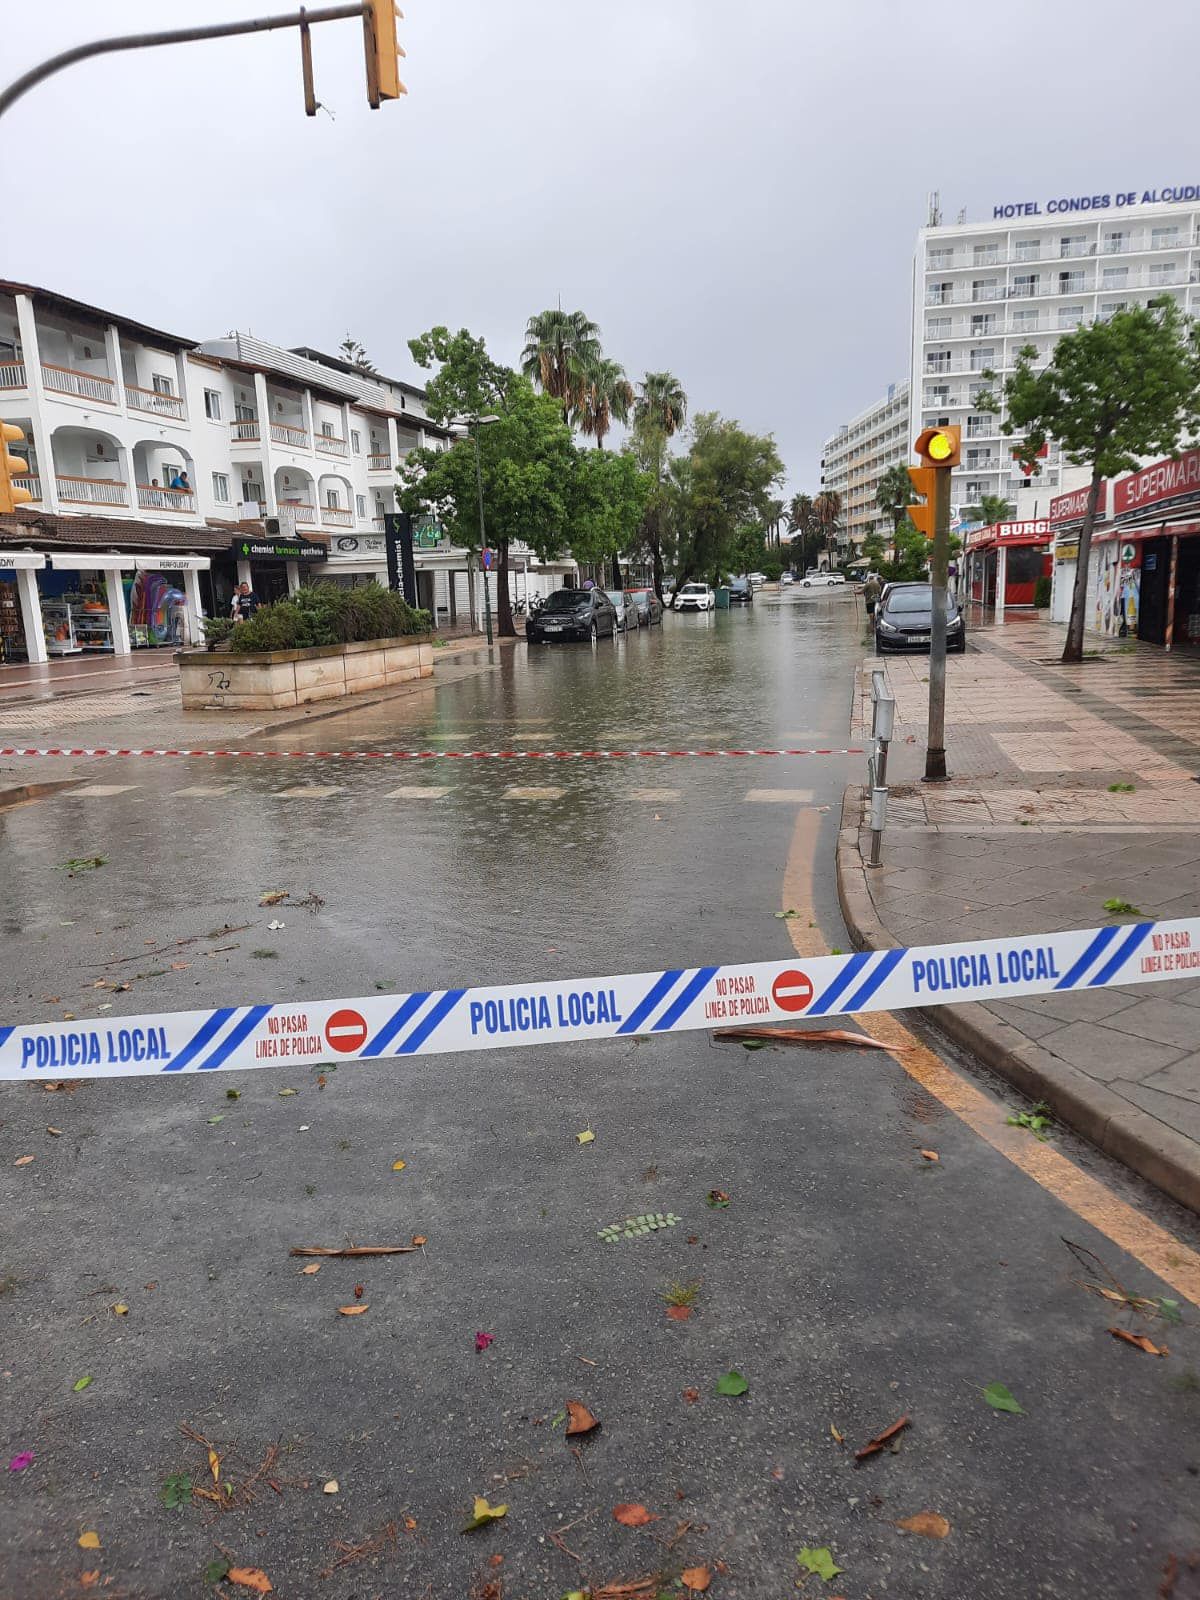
883,719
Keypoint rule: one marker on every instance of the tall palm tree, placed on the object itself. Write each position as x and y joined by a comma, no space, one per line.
895,494
799,513
561,347
607,398
662,401
827,515
991,508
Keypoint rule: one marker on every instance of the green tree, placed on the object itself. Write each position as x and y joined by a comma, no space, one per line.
1112,393
802,527
895,494
720,485
561,349
992,508
827,515
911,555
658,414
607,398
351,351
662,402
468,382
607,502
874,550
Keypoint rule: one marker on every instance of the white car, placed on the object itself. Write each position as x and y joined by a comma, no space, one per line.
786,578
818,580
695,597
757,579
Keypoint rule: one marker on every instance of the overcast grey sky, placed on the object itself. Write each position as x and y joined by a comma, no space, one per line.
730,190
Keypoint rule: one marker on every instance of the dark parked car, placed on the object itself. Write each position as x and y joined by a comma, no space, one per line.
741,592
904,617
573,614
649,608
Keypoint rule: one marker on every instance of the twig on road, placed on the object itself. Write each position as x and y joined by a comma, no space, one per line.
149,952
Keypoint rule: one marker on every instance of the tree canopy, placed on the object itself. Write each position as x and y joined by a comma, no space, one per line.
722,484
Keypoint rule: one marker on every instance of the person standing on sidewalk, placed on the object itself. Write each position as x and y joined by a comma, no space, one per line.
871,593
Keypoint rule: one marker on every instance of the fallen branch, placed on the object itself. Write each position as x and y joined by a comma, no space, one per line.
149,952
355,1250
873,1446
859,1041
350,1553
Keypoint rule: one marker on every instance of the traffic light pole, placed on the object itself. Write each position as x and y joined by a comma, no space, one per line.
939,573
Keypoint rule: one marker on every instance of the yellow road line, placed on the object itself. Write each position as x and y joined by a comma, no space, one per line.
1154,1246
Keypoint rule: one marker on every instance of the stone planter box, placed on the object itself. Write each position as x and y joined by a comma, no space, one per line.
272,680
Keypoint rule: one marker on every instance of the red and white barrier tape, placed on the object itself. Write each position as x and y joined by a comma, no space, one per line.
430,755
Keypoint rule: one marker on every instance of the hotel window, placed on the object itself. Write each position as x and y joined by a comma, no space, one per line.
937,328
1025,321
937,361
939,395
979,427
940,294
940,259
984,289
162,385
1073,244
985,255
1164,238
983,356
212,405
976,488
333,499
982,322
1107,312
1114,243
327,432
1114,277
360,506
220,488
1070,316
1164,272
974,391
977,458
356,441
1028,249
1024,283
1070,282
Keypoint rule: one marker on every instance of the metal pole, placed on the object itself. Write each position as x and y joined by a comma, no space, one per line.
487,597
935,741
146,41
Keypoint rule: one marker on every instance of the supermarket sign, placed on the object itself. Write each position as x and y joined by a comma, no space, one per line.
1166,483
1072,507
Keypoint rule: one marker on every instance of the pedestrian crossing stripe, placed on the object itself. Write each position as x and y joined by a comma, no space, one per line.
437,1021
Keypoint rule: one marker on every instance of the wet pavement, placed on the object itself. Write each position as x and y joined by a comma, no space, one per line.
849,1279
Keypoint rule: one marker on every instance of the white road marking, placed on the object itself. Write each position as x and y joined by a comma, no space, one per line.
201,791
100,791
517,793
417,791
795,797
307,792
657,795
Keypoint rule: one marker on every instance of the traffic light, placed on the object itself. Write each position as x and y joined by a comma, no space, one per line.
383,50
12,494
940,449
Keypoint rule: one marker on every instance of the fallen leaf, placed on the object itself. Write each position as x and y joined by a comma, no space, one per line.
929,1523
352,1311
731,1383
1001,1399
180,966
876,1444
496,1560
87,1579
22,1161
860,1041
81,1383
120,1309
89,1540
307,1272
931,1155
482,1340
284,1093
358,1291
214,1571
633,1516
691,1396
220,1117
581,1419
214,1465
399,1166
410,1523
331,1487
716,1200
1141,1341
618,1591
585,1137
697,1579
353,1250
819,1560
483,1514
53,1132
679,1313
273,897
837,1434
418,1240
250,1578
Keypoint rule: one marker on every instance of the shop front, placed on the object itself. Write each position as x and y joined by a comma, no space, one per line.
20,609
1148,558
1005,561
273,567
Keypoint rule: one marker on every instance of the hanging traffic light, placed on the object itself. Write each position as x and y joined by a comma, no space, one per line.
383,50
12,494
940,450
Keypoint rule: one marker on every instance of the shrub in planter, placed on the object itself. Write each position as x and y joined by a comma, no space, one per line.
321,614
1041,593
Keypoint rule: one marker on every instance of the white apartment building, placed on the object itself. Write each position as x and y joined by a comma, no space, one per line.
983,290
856,458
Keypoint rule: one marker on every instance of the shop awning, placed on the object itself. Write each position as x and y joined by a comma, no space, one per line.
124,561
1160,530
21,560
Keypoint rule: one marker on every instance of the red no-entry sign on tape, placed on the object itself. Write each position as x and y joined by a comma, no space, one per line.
346,1031
792,990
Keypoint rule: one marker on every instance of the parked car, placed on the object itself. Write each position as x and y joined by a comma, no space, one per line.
757,579
817,580
695,597
785,578
904,618
626,609
573,614
741,592
649,607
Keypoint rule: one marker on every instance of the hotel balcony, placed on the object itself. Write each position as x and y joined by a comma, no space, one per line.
91,491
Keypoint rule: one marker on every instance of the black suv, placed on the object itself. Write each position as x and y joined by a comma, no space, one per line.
572,614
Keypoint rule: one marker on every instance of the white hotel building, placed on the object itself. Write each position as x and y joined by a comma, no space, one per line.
982,290
856,458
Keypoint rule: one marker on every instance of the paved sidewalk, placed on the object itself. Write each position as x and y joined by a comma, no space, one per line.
1070,786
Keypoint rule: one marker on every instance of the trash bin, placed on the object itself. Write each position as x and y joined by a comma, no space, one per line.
723,599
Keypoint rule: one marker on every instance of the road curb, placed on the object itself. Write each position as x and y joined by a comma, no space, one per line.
1139,1141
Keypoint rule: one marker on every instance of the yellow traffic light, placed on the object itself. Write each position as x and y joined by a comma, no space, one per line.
923,480
383,50
941,446
12,494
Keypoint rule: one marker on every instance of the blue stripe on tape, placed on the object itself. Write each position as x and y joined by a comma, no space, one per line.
890,962
199,1039
392,1026
4,1033
231,1040
642,1010
843,981
1101,942
684,999
430,1021
1137,935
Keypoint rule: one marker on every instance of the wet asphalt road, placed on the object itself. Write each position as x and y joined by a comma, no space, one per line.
848,1280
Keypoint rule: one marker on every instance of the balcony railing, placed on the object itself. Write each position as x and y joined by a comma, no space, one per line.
12,375
32,484
245,431
337,517
153,401
285,433
378,524
151,497
299,510
87,385
379,461
91,491
330,445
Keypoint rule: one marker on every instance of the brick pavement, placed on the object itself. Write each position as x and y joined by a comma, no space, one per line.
1030,836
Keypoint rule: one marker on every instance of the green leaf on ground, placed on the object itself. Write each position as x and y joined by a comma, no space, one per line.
732,1383
81,1383
82,864
216,1571
176,1491
754,1044
1121,908
819,1560
1168,1310
1037,1120
1000,1398
785,916
1121,788
220,1118
233,1094
483,1514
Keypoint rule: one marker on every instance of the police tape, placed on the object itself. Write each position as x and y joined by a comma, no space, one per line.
434,1021
429,755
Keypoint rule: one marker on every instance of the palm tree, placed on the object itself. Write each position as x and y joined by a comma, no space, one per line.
662,401
607,398
561,347
895,494
827,515
992,508
801,527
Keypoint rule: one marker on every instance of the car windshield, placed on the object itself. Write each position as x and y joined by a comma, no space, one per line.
639,594
566,599
692,588
910,600
615,595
